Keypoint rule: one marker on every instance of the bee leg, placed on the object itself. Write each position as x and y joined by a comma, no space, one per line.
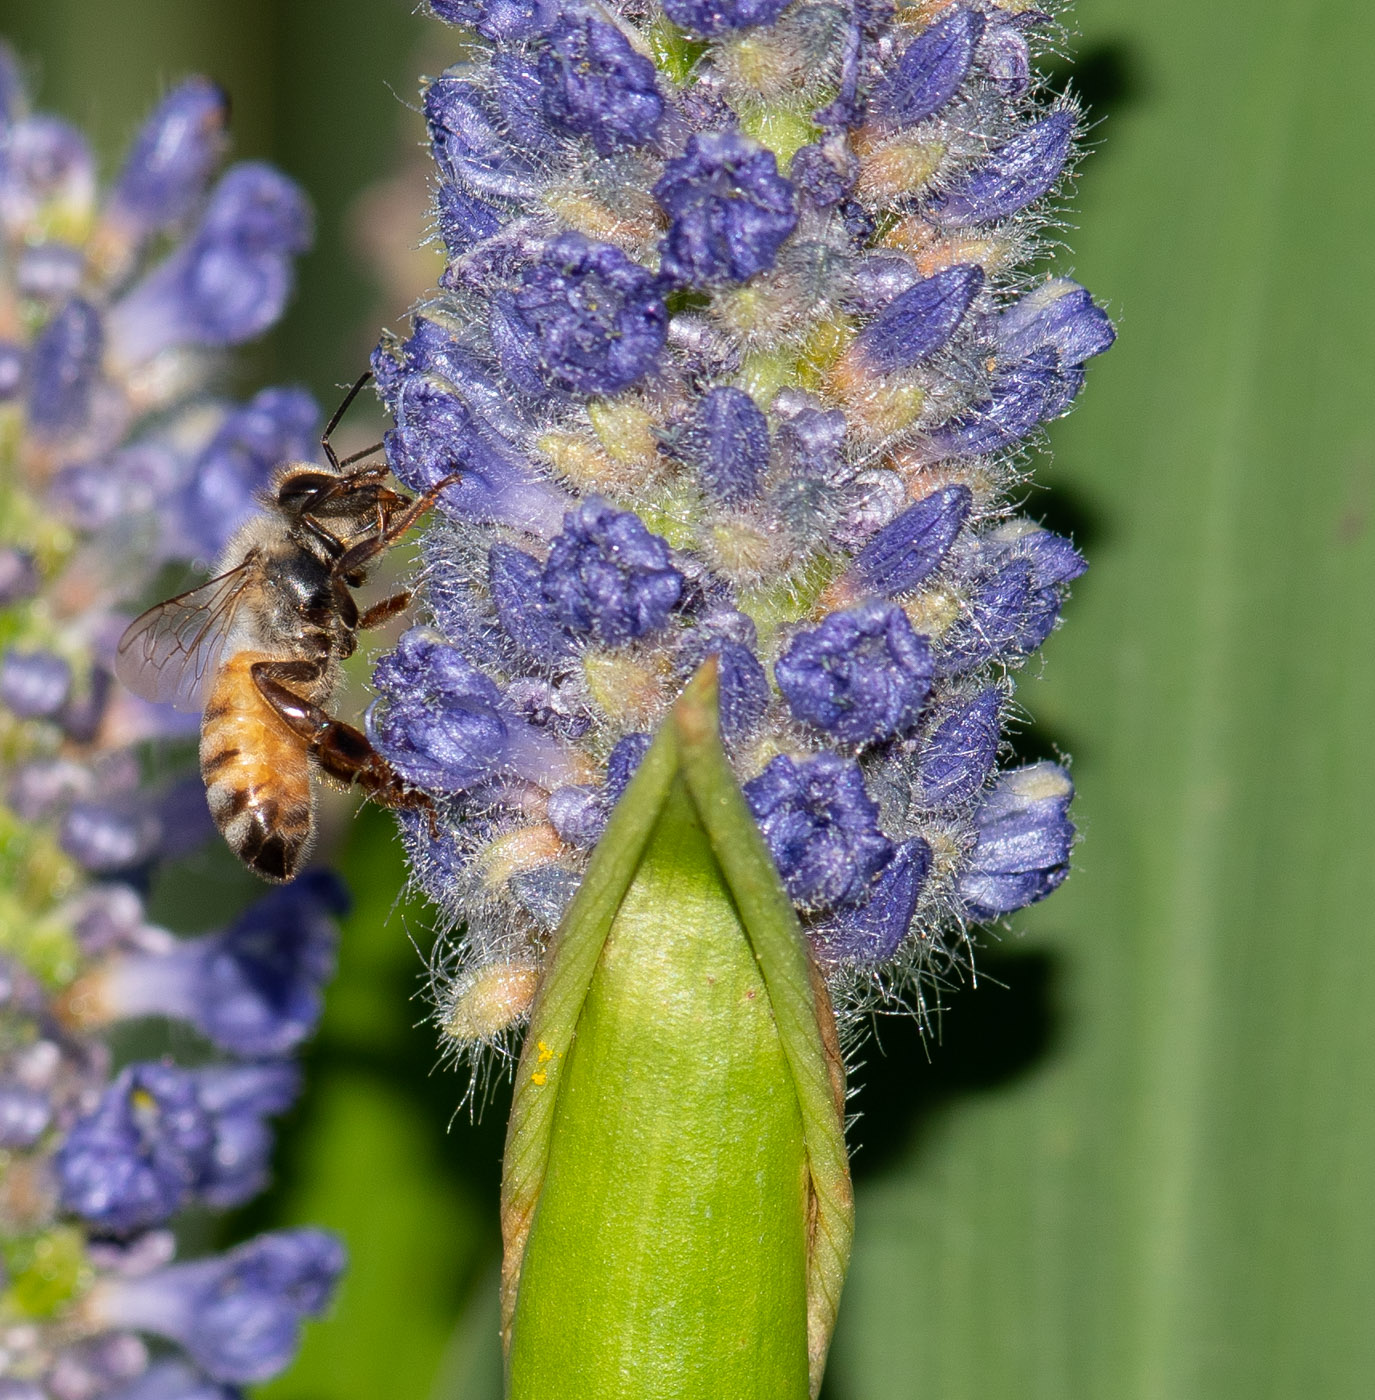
343,752
385,610
358,556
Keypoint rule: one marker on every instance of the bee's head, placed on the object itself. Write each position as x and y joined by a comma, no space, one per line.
303,489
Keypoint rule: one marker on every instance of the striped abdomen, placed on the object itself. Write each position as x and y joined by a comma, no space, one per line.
257,775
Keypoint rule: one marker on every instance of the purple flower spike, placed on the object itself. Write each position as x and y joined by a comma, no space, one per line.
137,1158
595,84
1019,171
708,18
861,675
231,281
275,426
958,753
930,71
517,583
917,323
821,828
730,210
727,441
1024,839
34,684
173,157
584,318
64,365
447,727
607,577
904,552
238,1315
872,932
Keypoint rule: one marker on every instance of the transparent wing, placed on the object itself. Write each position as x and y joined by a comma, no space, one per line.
171,652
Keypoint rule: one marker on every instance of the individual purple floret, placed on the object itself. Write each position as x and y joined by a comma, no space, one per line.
230,282
861,675
872,932
64,365
917,323
821,828
469,147
502,20
34,685
237,1315
904,552
1024,836
958,752
172,160
1059,313
1019,171
528,617
252,990
729,210
607,577
595,84
930,70
709,18
727,442
240,1098
584,318
172,1380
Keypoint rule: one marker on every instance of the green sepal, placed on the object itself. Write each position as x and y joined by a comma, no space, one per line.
676,1202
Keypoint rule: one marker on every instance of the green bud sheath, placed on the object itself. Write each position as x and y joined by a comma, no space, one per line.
676,1200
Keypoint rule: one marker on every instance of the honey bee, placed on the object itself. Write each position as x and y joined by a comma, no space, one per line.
258,648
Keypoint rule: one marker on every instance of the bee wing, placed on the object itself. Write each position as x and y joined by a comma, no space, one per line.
169,653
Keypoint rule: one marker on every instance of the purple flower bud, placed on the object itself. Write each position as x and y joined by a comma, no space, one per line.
469,147
872,932
810,440
19,580
578,813
914,325
730,210
1017,172
438,433
743,694
930,71
727,442
1024,836
821,828
584,318
622,762
446,726
1059,313
860,675
708,18
1024,395
238,1315
252,990
503,21
1000,606
516,580
231,281
25,1113
34,684
11,370
957,754
607,577
64,365
275,426
136,1158
173,157
825,171
595,84
45,162
172,1380
517,92
464,219
904,552
1006,58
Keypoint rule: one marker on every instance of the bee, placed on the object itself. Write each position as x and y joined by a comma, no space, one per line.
258,650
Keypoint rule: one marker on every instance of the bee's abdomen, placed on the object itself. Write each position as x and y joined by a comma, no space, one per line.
257,776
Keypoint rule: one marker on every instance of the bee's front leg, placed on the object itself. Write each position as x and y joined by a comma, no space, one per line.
343,752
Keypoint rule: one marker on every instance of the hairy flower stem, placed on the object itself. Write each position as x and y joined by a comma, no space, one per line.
677,1202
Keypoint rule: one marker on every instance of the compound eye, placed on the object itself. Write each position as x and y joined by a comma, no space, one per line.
298,491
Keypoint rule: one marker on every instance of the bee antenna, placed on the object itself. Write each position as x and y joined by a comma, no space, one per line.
358,456
333,423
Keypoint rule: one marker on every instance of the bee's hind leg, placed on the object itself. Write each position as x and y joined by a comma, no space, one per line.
343,752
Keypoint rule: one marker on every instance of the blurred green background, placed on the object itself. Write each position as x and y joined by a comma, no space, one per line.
1140,1164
